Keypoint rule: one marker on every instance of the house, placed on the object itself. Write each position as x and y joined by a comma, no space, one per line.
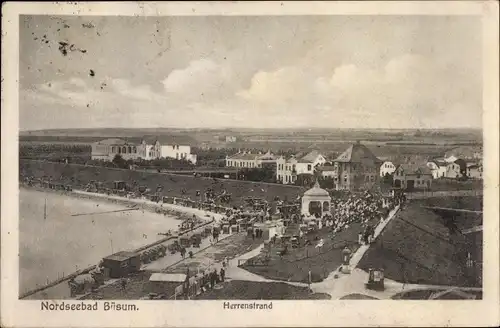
288,169
356,168
107,149
410,176
244,159
152,147
453,170
230,139
387,167
327,171
474,170
437,167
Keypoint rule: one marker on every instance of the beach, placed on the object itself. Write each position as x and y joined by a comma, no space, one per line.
62,243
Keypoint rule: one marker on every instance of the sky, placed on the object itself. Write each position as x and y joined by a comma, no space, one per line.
250,71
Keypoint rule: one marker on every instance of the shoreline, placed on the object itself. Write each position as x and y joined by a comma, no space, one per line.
174,211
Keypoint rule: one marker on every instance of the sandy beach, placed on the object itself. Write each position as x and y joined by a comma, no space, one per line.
62,242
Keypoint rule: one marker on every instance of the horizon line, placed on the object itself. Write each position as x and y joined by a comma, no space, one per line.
251,128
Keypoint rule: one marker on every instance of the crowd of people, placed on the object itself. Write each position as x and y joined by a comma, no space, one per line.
364,208
196,284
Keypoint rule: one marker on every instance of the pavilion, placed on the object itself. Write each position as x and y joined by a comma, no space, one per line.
316,201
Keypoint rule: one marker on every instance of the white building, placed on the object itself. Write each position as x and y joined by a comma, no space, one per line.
453,170
328,171
438,168
387,167
147,149
288,169
248,160
316,201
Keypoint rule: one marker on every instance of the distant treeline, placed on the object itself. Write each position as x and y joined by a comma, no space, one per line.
74,139
78,154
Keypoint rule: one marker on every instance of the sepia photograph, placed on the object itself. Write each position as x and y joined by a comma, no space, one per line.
249,159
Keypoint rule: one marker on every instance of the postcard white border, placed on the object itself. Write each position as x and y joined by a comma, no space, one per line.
16,313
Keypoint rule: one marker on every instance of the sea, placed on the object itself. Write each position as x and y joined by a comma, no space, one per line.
75,234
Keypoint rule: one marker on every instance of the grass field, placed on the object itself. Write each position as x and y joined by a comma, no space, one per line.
250,290
463,202
296,265
452,184
417,247
424,294
80,175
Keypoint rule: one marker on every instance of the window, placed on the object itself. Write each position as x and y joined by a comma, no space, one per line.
309,167
372,178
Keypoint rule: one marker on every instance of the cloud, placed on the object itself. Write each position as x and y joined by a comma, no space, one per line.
407,87
141,92
201,79
406,91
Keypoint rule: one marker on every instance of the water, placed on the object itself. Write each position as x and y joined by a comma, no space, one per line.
63,243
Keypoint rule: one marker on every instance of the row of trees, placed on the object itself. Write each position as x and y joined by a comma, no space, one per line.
40,149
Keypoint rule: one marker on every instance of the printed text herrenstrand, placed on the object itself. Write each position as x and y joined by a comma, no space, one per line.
248,306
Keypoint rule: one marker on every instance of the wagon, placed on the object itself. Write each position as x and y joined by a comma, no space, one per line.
285,239
174,247
185,241
375,279
295,240
196,240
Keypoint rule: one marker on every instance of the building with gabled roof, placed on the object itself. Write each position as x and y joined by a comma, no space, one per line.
438,167
357,169
244,159
413,175
287,169
474,170
107,149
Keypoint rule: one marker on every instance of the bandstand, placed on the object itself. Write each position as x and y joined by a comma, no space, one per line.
316,201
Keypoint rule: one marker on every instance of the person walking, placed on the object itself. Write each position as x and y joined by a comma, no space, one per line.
212,280
222,274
